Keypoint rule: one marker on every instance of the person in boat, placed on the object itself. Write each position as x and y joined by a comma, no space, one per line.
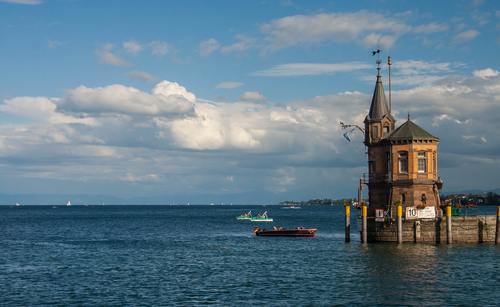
258,215
274,228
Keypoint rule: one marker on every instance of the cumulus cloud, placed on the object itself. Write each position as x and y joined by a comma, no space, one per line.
108,58
207,47
133,47
485,73
252,96
465,36
298,144
42,109
363,27
167,97
228,84
142,76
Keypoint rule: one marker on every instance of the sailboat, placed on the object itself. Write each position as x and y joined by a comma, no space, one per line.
69,203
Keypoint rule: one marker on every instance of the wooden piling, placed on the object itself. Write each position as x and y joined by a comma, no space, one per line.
400,224
449,235
347,224
364,228
497,233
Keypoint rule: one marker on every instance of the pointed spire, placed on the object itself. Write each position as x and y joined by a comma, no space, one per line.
379,107
408,115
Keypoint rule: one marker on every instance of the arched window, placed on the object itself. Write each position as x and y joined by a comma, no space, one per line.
403,162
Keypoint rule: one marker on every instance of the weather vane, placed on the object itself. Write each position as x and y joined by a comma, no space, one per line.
378,57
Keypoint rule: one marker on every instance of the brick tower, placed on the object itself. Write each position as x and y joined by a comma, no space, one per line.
402,162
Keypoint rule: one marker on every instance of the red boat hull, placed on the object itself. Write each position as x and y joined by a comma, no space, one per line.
286,233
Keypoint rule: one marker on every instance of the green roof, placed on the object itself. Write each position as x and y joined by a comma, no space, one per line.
410,131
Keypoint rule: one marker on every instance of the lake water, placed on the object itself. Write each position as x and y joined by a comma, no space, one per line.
203,256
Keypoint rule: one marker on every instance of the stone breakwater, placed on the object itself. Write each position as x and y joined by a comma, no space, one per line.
465,229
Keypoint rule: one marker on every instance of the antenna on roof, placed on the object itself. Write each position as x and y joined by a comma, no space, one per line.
389,62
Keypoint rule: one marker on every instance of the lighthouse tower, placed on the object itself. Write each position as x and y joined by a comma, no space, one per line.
402,162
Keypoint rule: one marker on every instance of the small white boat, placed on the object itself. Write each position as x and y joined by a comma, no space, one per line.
69,203
17,204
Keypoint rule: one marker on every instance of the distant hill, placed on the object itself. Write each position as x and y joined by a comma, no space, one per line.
198,199
476,191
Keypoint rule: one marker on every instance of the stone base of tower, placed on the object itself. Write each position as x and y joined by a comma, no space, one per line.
409,192
465,229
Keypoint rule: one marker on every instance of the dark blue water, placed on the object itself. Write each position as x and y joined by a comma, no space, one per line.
202,256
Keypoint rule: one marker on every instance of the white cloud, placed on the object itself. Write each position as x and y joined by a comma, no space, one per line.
106,57
465,36
208,46
167,97
228,85
284,146
159,48
361,26
252,96
132,47
42,109
141,76
301,69
485,73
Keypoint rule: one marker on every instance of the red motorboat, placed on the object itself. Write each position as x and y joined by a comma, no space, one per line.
280,232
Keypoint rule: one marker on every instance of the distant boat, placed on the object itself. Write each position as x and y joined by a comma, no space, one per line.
53,207
17,204
69,203
291,207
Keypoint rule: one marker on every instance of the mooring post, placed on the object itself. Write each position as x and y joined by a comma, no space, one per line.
347,224
497,234
448,225
400,224
364,228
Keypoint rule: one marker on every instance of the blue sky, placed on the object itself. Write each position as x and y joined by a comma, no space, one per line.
143,98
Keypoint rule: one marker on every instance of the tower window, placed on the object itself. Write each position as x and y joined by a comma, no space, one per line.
385,131
403,162
375,132
421,162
